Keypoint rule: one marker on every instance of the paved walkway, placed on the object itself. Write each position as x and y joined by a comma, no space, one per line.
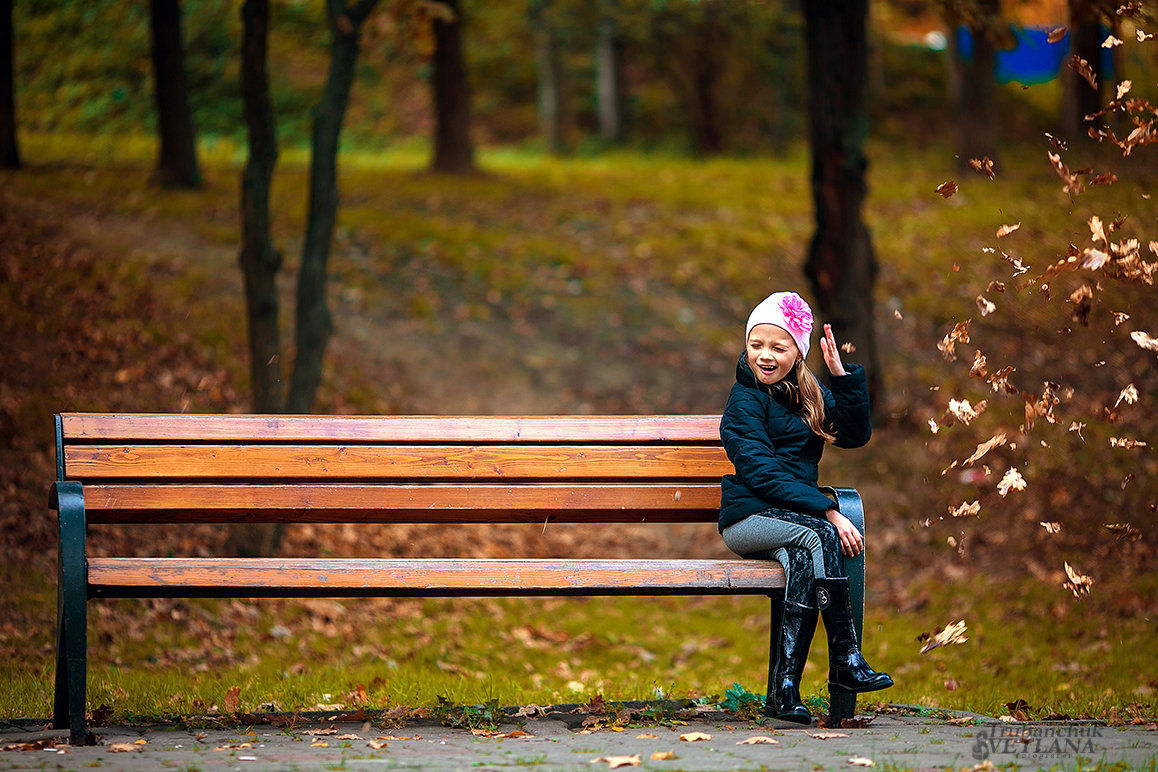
559,741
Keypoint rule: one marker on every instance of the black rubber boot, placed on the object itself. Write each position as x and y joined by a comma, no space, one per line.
847,668
797,625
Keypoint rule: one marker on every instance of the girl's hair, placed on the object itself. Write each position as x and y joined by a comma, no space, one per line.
806,392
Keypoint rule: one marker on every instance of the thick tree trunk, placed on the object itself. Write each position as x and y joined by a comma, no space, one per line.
609,81
549,82
313,323
9,148
453,151
177,157
260,261
841,264
975,106
1082,99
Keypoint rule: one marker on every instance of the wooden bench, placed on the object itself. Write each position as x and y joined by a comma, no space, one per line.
179,469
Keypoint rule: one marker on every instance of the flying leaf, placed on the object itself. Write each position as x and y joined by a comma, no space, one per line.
947,189
1124,88
1077,583
1144,340
1012,480
964,412
985,306
953,633
1124,531
847,347
1111,42
983,166
1056,34
1126,442
948,344
1144,36
966,509
995,441
1082,67
1005,230
1129,395
1050,527
1073,183
1119,317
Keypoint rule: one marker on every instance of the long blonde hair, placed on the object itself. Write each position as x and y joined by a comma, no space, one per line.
806,391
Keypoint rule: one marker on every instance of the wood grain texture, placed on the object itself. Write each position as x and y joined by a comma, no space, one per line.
404,503
149,577
394,462
94,427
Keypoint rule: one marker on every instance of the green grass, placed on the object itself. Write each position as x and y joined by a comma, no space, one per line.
159,658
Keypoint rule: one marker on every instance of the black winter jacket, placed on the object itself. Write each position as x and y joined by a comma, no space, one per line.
775,454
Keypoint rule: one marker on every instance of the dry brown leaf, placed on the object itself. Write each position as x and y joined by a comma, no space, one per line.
376,744
1144,340
647,737
947,189
1129,395
952,634
1005,230
948,344
663,756
861,761
1126,442
319,744
995,441
985,306
1050,527
825,735
122,748
695,737
965,412
1124,531
1111,42
232,699
1077,583
1083,68
1011,481
615,762
966,509
983,166
1056,34
760,739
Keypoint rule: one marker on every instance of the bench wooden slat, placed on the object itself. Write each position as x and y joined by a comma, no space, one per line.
354,429
431,503
383,462
193,577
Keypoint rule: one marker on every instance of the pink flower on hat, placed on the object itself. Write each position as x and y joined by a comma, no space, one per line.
797,314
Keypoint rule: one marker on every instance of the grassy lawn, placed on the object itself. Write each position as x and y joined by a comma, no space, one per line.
614,284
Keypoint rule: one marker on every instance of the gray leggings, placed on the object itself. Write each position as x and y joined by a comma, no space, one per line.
806,546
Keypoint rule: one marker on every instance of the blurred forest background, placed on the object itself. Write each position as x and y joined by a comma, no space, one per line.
551,207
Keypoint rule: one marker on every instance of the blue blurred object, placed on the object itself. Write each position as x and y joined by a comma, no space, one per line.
1032,60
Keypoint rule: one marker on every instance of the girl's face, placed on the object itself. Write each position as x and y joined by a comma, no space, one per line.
772,353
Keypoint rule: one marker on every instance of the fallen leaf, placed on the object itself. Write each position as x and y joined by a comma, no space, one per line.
376,744
615,762
146,742
760,739
825,735
695,737
861,761
663,756
951,684
647,737
122,748
318,732
232,699
347,737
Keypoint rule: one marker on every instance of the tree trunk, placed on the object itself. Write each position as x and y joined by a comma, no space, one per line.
177,158
260,261
453,151
550,87
609,80
975,84
1081,99
841,265
9,149
313,323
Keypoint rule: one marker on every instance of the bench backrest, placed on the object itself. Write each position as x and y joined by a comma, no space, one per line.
263,468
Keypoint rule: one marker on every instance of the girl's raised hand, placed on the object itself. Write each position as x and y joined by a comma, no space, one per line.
831,352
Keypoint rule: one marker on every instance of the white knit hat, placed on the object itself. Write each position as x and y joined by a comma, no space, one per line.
789,312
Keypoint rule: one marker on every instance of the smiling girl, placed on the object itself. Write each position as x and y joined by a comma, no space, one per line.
775,426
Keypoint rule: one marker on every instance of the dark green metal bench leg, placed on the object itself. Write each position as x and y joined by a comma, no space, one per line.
72,614
842,704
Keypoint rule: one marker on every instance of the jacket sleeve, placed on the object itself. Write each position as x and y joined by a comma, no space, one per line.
759,466
847,408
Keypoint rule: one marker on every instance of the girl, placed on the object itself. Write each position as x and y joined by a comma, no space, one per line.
774,429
